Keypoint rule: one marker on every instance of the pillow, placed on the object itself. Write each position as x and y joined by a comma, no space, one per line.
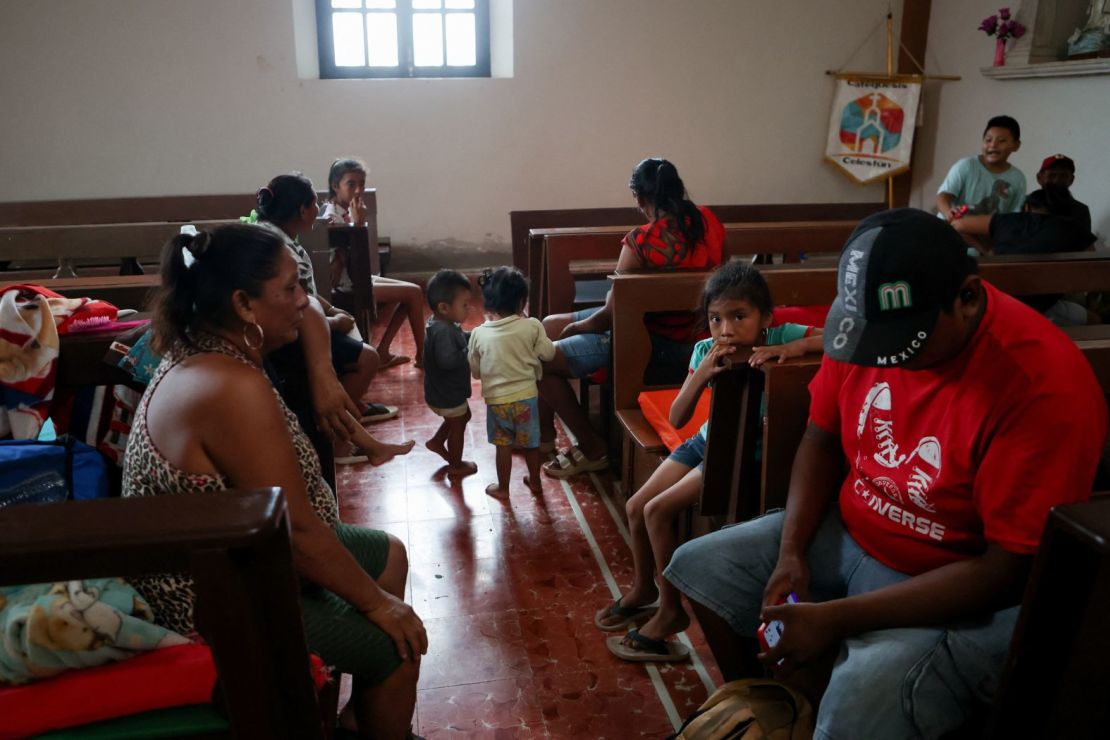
48,628
169,677
656,407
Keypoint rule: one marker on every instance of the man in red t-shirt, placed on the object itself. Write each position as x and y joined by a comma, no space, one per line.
962,416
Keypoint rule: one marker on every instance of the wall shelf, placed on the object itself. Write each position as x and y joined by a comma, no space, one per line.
1076,68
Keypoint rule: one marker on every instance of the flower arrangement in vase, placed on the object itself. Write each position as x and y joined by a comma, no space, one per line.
1004,27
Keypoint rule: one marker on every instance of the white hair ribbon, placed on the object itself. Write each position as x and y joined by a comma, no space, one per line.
186,255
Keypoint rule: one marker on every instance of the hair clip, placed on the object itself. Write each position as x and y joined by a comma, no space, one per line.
187,255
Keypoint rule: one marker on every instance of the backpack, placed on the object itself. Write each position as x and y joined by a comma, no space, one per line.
750,709
44,472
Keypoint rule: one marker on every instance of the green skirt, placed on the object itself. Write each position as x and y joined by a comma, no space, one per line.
338,632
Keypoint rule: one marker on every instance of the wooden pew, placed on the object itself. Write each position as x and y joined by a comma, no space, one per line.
81,363
92,241
638,293
521,222
110,229
180,208
1057,672
133,291
236,546
560,257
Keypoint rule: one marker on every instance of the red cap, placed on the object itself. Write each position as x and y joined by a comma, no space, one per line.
1058,160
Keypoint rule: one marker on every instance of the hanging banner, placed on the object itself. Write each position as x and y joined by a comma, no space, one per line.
871,127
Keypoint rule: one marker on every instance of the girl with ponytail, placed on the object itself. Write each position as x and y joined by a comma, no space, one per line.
678,235
287,205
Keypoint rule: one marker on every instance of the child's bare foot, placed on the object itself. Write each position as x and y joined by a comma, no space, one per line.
537,488
439,447
387,452
463,469
495,490
389,361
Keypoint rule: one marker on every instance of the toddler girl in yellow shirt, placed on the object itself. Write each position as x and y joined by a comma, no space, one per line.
505,354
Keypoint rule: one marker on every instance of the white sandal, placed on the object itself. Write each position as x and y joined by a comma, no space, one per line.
574,462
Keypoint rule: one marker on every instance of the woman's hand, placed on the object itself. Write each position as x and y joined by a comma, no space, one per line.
783,352
808,631
400,622
572,329
790,575
336,414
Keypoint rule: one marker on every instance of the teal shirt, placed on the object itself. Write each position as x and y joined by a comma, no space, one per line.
781,334
984,192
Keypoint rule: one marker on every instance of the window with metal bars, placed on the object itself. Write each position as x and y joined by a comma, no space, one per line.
403,38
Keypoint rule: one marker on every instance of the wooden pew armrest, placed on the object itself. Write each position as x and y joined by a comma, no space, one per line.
641,432
131,536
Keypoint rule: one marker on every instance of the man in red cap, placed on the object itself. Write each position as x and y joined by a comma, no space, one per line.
1058,171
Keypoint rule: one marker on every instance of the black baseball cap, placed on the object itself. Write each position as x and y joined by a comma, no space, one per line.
896,272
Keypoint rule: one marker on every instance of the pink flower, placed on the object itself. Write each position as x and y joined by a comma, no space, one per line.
1004,13
989,25
1016,29
1004,30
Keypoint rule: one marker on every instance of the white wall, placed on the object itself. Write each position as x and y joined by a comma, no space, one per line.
158,97
1063,114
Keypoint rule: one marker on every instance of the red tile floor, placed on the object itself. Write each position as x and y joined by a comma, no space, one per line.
508,589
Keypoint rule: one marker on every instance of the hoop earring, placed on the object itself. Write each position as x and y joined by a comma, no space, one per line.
261,336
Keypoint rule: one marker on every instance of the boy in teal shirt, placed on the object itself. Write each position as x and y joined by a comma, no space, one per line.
986,183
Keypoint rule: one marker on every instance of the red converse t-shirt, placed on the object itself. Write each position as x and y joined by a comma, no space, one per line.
945,460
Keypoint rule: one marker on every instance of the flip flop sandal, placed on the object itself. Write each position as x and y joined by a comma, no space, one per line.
376,412
647,650
574,462
629,615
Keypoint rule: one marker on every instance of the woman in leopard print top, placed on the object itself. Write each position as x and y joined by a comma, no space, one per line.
211,420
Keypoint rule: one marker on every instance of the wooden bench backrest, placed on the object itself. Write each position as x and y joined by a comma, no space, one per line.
551,251
235,545
521,222
640,293
96,241
93,230
175,208
1061,649
181,208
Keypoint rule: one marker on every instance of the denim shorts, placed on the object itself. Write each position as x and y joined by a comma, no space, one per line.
588,353
691,453
514,424
908,682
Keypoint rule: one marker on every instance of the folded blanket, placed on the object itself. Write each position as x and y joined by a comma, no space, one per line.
47,628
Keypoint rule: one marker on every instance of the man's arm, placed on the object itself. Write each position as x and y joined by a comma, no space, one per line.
814,481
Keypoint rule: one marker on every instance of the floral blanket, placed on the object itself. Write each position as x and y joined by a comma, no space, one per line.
47,628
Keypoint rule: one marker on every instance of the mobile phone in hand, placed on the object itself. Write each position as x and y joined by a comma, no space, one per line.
769,633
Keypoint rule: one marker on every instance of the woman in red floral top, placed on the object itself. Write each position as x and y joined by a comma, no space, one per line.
678,235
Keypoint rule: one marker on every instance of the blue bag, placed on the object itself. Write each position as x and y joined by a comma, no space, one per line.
38,472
